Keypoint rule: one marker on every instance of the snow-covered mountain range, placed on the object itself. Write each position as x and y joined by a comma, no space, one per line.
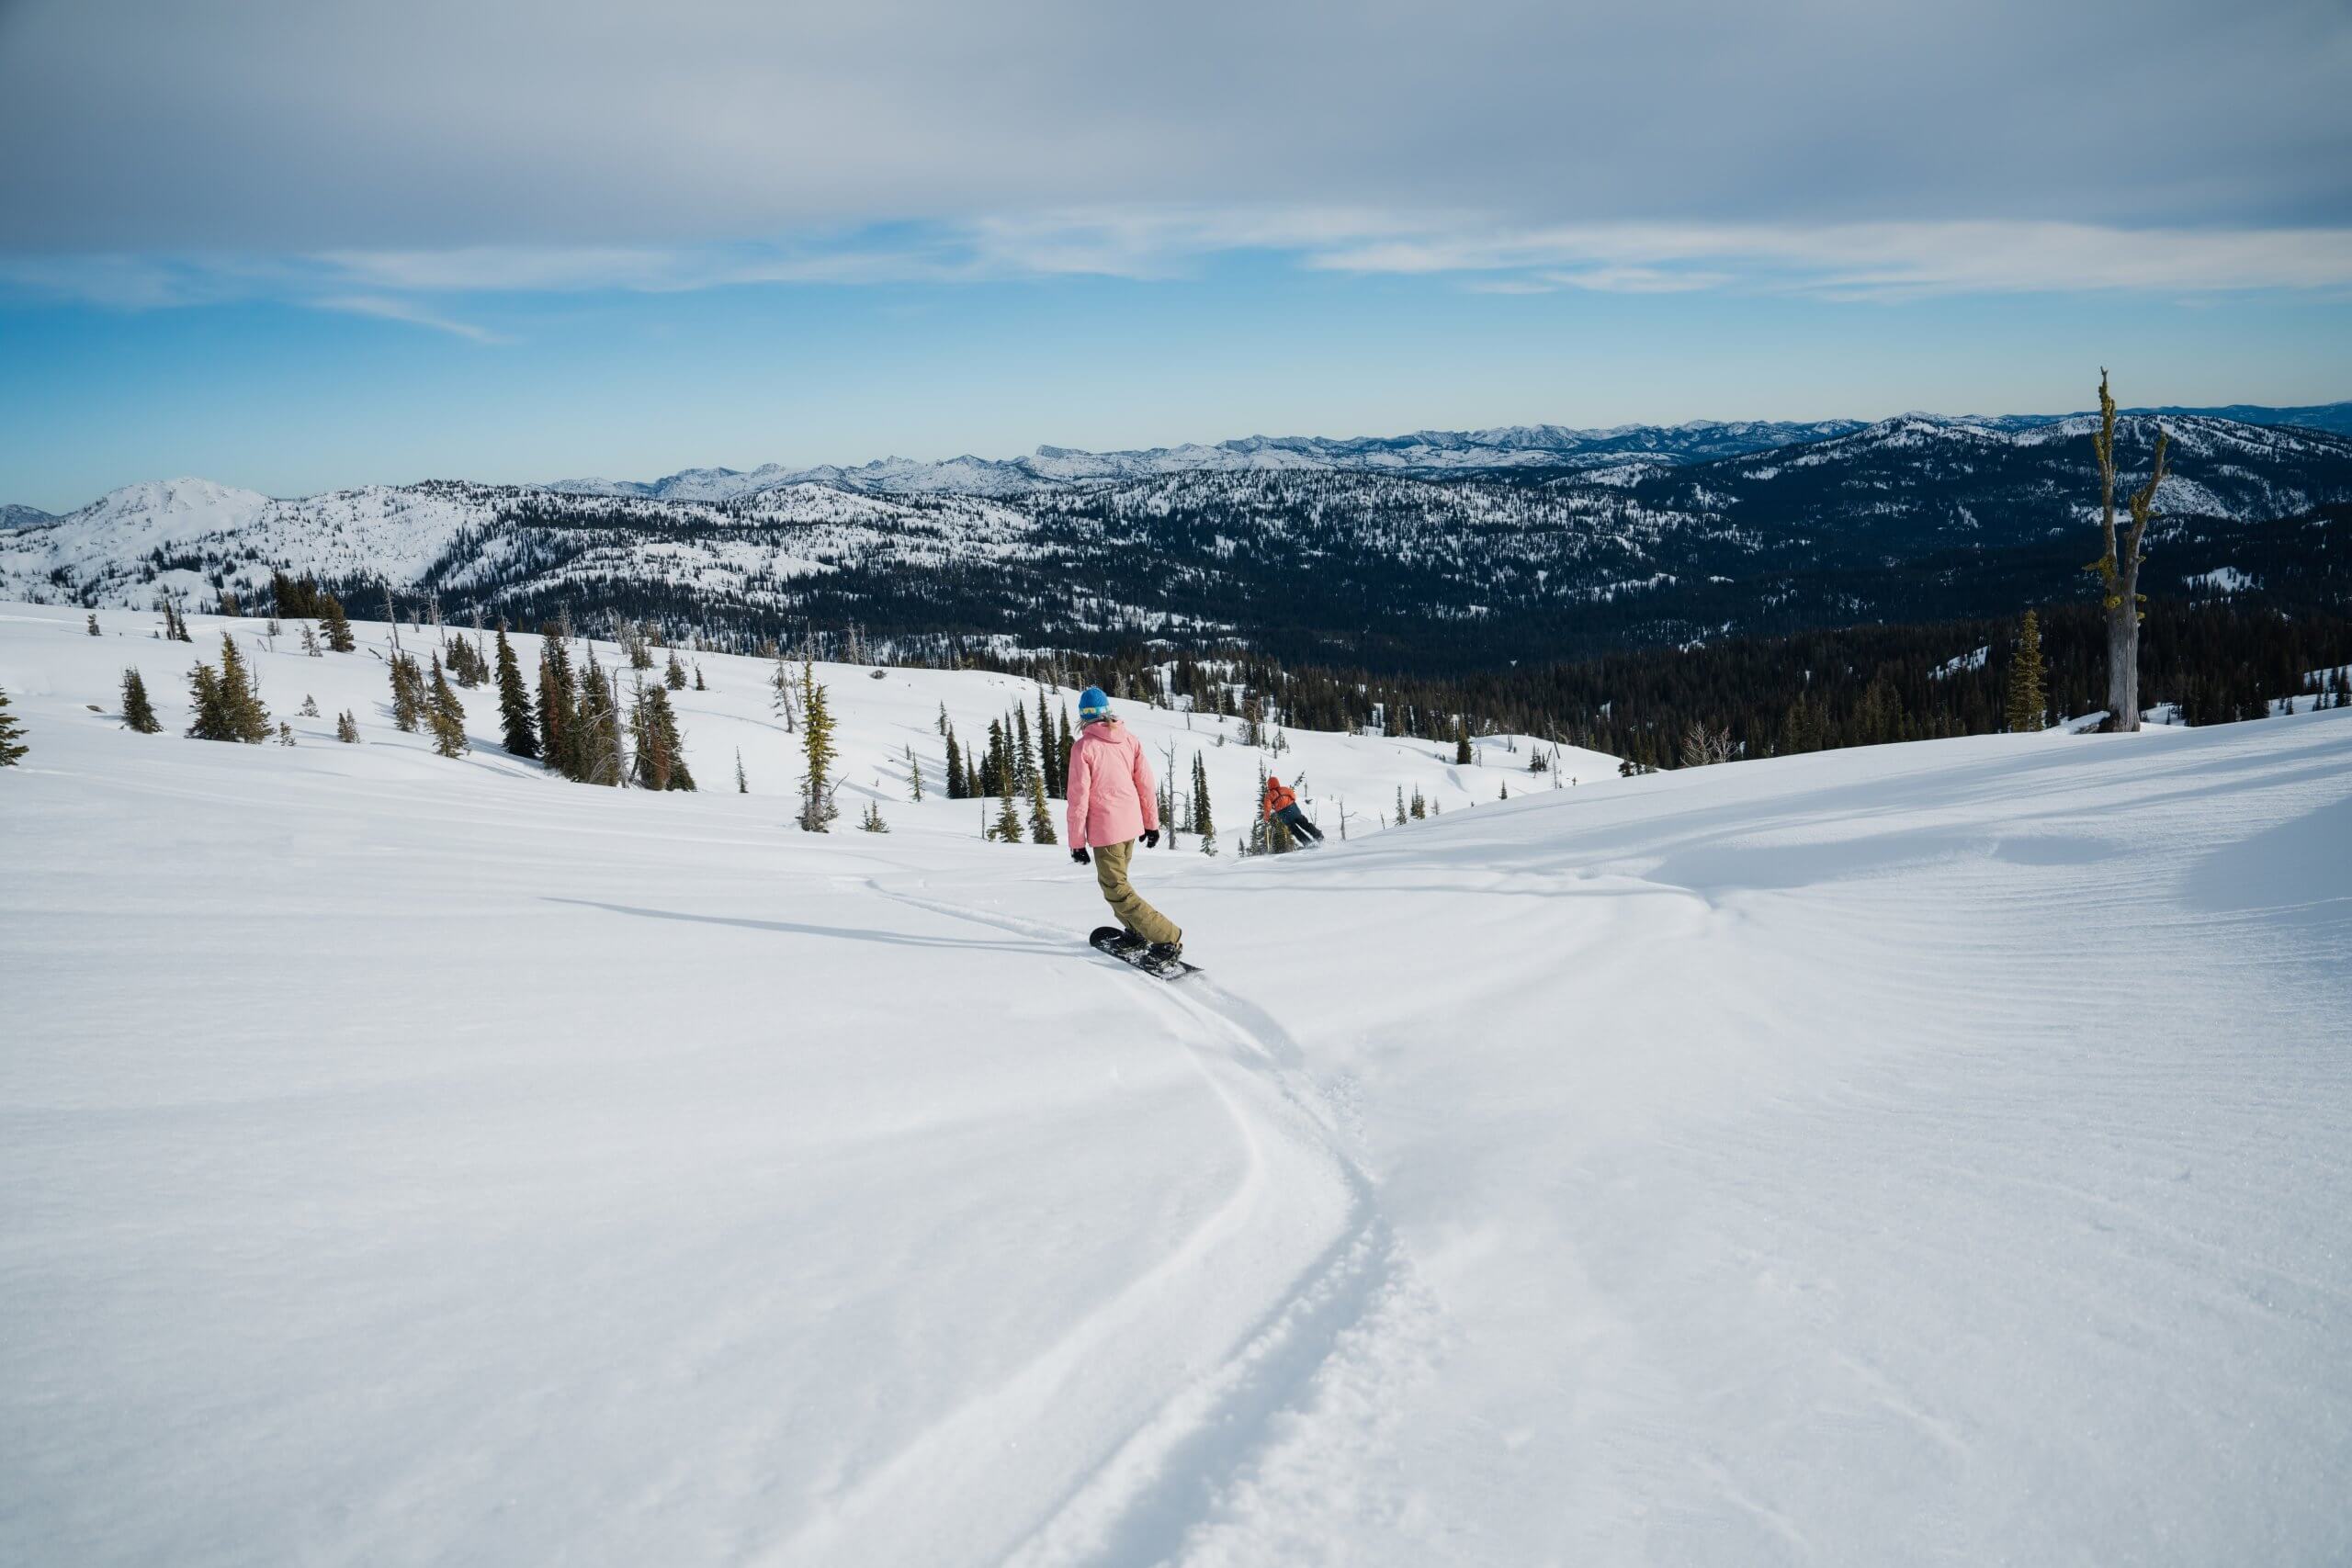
1906,518
1425,454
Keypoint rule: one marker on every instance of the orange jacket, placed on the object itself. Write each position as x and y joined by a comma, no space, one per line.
1276,799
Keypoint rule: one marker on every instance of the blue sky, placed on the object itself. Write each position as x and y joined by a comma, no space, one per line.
293,249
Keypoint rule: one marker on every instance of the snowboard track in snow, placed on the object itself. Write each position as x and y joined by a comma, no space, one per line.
1168,1476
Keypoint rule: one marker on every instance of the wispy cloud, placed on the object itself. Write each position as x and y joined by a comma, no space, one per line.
391,309
1860,262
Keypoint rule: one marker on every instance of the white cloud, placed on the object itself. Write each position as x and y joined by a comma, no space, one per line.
391,309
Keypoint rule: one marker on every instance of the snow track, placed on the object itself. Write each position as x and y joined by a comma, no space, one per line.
1166,1476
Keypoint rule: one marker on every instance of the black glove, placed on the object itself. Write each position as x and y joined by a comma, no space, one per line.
1079,854
1152,837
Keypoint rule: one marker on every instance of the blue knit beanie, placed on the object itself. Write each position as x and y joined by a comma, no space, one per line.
1092,704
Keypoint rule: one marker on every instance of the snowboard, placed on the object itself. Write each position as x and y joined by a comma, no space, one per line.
1106,939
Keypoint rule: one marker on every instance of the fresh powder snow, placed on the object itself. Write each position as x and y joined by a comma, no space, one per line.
1925,1152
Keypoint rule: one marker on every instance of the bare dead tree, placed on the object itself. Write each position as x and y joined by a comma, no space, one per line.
2119,567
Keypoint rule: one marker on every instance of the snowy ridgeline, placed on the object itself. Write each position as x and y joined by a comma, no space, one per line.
889,727
1917,1151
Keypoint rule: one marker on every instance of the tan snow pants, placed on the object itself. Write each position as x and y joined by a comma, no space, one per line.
1111,873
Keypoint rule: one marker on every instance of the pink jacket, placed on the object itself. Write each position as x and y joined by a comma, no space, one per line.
1112,795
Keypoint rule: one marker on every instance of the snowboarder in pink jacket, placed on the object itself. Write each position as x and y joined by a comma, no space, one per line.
1113,800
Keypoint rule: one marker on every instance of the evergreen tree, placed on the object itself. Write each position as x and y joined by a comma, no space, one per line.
137,713
230,606
514,702
1461,754
1024,767
742,785
942,723
408,694
2026,701
1008,823
596,717
1400,805
674,676
956,789
558,745
309,708
285,733
699,686
872,821
1050,762
347,728
1061,766
12,736
94,624
1203,823
247,720
337,625
653,730
1041,815
817,807
444,714
914,774
311,648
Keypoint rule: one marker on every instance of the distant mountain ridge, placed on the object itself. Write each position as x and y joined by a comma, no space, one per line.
1911,518
1422,454
1425,454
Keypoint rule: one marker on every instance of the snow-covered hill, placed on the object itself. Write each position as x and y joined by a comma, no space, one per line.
1928,1151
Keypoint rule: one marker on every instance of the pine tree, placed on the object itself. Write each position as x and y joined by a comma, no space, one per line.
674,676
2026,703
285,733
1400,805
1461,754
955,788
1421,807
1061,751
1008,823
408,694
337,625
514,702
596,718
817,807
661,749
347,728
942,724
914,774
1024,767
247,720
872,821
94,624
558,746
137,713
1041,816
309,708
311,648
445,714
699,686
742,785
1203,823
12,743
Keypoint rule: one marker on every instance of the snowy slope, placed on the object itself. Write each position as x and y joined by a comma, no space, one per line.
1927,1152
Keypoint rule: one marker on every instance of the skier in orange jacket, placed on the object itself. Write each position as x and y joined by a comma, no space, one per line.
1280,804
